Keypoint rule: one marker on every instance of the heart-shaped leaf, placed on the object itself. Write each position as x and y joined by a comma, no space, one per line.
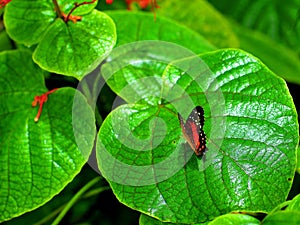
75,49
27,21
64,47
251,129
37,160
132,27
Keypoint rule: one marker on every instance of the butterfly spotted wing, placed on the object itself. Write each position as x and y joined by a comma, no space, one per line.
192,130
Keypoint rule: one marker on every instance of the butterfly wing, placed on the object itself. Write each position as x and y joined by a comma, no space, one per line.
192,130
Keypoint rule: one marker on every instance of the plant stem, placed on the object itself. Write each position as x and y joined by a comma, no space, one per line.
50,216
86,195
76,5
74,200
95,192
57,9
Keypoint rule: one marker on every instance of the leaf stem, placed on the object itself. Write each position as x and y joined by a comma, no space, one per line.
75,199
50,216
57,9
76,5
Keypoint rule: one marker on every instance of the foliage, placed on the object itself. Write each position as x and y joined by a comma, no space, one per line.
146,67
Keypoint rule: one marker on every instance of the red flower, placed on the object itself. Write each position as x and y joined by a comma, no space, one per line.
3,3
142,3
40,100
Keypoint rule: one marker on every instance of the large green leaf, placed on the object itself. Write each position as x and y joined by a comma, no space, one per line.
75,49
27,21
138,26
134,63
37,160
200,16
251,129
280,21
68,48
132,27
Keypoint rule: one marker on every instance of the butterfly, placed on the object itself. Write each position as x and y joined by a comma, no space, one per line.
192,130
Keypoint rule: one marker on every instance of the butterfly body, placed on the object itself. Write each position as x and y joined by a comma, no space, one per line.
192,130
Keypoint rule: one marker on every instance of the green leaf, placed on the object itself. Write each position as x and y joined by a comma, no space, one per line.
37,159
291,214
138,26
280,21
147,220
132,27
200,16
68,48
282,60
26,21
50,210
235,219
283,217
251,129
75,49
132,74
